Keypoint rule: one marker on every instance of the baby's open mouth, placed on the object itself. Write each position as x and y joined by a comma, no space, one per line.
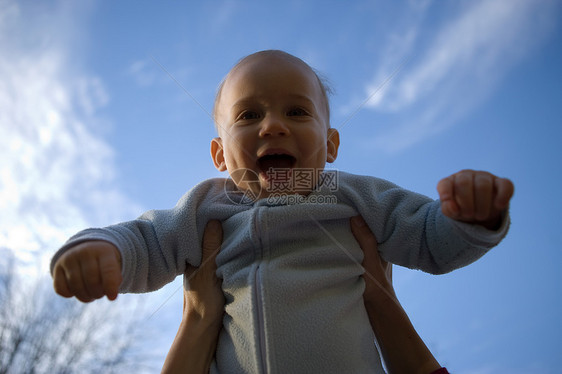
276,161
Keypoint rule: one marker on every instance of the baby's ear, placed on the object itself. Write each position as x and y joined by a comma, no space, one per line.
332,145
217,154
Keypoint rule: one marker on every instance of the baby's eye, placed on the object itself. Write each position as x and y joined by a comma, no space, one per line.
297,112
249,115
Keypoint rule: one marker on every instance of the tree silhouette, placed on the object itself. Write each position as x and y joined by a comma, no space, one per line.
41,332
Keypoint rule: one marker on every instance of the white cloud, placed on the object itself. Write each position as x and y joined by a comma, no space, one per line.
143,72
461,65
55,169
91,94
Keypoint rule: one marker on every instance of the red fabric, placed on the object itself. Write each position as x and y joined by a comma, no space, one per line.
440,371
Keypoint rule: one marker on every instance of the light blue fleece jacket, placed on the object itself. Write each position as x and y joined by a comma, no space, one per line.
291,270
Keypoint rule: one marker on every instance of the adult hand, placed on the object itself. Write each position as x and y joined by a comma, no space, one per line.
378,273
203,298
402,348
203,306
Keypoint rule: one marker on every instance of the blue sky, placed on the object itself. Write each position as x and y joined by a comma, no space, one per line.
98,125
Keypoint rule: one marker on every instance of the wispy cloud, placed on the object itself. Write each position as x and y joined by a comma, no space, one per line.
456,69
91,94
223,14
144,72
57,173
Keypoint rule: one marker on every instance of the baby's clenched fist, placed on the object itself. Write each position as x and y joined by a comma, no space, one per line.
89,271
475,197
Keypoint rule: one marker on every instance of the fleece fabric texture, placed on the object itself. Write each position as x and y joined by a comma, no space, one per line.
291,267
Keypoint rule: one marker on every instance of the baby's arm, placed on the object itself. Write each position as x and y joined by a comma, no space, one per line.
475,197
157,246
89,271
414,231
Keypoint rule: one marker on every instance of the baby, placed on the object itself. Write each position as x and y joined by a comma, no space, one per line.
289,262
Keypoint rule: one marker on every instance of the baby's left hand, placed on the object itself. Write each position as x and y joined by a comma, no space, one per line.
475,197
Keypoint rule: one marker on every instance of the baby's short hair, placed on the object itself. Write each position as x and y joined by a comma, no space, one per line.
323,83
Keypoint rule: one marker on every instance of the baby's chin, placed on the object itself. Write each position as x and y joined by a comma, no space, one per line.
265,189
262,183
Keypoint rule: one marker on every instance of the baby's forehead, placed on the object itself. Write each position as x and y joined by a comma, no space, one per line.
273,74
263,65
278,64
272,55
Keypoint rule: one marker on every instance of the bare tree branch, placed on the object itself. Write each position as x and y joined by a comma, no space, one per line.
41,332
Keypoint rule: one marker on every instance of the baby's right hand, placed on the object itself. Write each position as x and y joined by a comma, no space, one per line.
89,271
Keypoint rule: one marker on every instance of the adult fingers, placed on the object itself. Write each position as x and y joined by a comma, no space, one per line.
378,273
212,240
368,243
211,244
363,235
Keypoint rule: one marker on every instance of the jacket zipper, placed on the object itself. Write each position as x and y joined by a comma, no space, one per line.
258,286
261,327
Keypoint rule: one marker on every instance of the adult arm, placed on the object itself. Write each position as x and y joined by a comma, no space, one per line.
195,343
203,305
402,348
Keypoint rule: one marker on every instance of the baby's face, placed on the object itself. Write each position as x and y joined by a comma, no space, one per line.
272,121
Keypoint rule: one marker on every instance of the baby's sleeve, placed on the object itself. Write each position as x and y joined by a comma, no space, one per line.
157,246
446,244
413,232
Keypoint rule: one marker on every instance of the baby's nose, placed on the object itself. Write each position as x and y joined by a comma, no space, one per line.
274,126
